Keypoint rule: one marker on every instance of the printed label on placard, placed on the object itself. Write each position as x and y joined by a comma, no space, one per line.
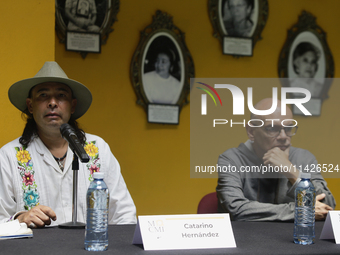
331,228
167,114
237,46
84,42
189,231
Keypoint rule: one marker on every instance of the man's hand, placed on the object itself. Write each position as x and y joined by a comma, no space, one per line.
278,157
321,209
39,215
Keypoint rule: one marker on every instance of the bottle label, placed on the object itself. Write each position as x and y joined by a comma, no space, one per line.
305,198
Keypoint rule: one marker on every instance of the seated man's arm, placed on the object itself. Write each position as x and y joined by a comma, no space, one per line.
233,200
231,195
122,209
305,160
321,187
8,204
7,200
9,186
40,215
324,199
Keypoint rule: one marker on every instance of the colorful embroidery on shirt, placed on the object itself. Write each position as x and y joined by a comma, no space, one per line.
30,192
93,152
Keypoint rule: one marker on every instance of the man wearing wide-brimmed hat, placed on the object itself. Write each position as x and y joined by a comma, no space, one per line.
36,175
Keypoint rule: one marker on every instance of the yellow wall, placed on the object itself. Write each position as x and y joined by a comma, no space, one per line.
26,41
155,158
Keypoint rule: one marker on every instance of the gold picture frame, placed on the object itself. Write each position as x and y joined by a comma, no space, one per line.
93,24
162,39
238,40
307,37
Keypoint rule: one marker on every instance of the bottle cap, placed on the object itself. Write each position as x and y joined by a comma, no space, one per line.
305,175
98,175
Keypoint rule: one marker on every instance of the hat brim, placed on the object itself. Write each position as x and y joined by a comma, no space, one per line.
18,93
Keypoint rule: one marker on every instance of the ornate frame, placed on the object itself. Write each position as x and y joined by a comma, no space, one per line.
307,30
112,9
162,25
215,15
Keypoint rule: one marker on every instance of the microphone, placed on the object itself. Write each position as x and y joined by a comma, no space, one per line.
70,135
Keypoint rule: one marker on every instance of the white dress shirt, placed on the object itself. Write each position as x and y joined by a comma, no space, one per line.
55,187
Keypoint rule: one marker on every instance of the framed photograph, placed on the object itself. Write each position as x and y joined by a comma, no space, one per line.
306,62
84,25
161,69
238,24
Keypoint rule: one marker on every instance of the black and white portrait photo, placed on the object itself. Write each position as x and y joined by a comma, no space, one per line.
83,15
306,64
239,17
306,61
162,74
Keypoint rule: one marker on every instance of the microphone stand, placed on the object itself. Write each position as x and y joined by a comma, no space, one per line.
74,223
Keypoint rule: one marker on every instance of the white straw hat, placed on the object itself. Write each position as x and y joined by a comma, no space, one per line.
50,72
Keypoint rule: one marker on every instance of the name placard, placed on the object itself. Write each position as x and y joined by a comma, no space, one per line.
187,231
163,114
237,46
331,228
83,42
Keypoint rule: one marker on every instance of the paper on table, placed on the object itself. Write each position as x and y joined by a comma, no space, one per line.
14,229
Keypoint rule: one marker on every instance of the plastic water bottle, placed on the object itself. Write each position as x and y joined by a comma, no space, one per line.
304,223
97,200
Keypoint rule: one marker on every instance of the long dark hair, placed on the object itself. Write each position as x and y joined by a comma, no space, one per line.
31,131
